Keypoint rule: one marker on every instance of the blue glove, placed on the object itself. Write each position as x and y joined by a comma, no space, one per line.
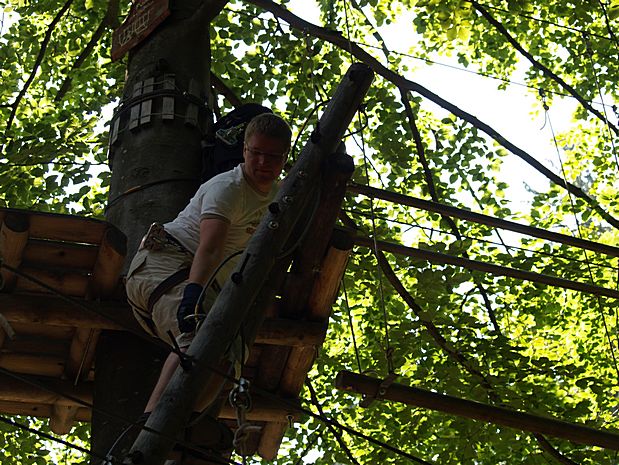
187,308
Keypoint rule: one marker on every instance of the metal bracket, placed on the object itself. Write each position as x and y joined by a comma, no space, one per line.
380,392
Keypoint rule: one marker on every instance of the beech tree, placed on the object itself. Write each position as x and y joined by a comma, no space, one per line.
485,337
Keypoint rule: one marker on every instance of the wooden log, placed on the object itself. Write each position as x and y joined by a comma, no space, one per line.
441,258
309,256
35,345
272,435
325,289
38,410
467,215
62,418
42,365
54,226
232,306
265,410
110,260
45,332
323,295
62,281
57,254
580,434
43,390
13,239
293,333
55,311
271,367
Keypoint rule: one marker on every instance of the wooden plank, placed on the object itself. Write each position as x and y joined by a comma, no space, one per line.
293,333
43,390
45,332
326,287
59,227
272,364
105,280
54,311
581,434
147,105
58,254
272,435
38,410
307,261
323,295
29,344
134,116
298,364
167,112
28,364
66,283
13,239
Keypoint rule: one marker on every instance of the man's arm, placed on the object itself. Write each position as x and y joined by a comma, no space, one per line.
213,234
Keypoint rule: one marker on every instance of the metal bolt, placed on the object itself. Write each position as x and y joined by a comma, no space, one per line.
287,199
273,225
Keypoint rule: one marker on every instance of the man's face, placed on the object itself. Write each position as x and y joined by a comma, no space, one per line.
264,160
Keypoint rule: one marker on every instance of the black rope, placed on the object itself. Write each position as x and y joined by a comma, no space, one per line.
338,436
50,437
580,234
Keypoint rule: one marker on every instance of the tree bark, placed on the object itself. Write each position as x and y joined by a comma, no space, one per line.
155,153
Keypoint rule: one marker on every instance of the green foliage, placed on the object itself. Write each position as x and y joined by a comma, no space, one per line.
552,356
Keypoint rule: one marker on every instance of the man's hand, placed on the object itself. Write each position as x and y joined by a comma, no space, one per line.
186,309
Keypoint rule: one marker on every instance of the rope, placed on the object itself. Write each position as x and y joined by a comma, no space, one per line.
580,234
608,131
352,327
388,349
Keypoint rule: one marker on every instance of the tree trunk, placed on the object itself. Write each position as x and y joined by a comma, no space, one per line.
155,156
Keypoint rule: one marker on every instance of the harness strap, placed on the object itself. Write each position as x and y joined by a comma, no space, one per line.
164,286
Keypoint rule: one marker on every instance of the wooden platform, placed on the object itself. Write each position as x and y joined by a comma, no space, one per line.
51,341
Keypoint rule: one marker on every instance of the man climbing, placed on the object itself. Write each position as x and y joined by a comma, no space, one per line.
186,260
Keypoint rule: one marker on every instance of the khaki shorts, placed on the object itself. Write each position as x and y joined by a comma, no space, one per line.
147,270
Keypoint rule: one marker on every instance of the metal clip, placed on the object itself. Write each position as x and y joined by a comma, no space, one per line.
380,392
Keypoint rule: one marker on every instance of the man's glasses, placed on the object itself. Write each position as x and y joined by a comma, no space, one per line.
271,157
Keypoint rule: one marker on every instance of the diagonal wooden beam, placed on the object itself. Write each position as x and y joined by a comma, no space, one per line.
581,434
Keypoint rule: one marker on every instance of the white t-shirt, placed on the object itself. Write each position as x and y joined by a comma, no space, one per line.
227,196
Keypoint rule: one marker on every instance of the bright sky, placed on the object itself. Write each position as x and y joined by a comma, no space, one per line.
509,112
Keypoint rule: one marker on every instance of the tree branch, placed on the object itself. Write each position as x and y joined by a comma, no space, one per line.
607,21
547,72
35,67
401,82
109,20
433,194
224,90
550,449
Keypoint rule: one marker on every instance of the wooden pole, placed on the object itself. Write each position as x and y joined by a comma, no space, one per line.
467,215
261,254
441,258
361,384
